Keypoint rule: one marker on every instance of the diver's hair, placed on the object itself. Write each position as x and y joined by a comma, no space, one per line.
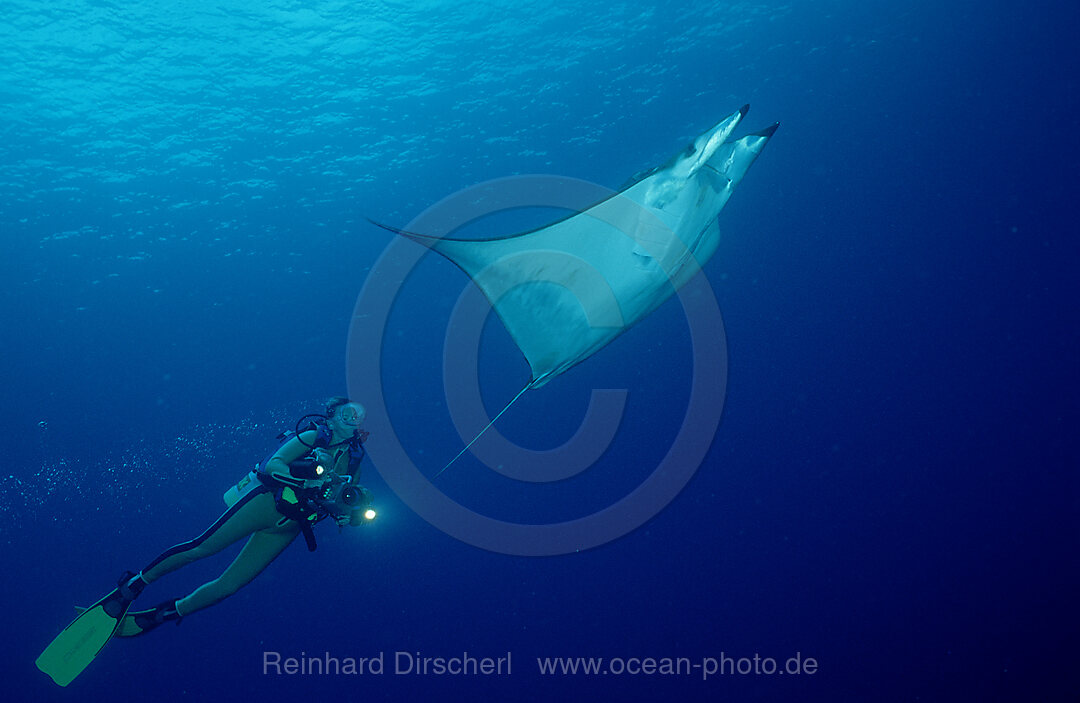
334,403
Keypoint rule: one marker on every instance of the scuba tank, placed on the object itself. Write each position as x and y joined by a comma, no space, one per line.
241,489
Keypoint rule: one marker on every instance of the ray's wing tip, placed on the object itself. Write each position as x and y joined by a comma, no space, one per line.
380,224
422,238
768,131
744,109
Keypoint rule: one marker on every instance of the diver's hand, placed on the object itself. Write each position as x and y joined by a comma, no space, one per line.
324,459
319,482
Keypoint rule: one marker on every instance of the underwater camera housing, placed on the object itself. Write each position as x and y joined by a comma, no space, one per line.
339,496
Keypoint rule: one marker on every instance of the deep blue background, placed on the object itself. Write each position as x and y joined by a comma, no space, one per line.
893,488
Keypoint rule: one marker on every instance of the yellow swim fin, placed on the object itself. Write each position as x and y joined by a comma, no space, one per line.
127,627
75,647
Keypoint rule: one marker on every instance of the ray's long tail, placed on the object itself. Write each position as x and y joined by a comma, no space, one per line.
486,428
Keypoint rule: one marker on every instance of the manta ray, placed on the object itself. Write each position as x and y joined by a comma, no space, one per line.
566,290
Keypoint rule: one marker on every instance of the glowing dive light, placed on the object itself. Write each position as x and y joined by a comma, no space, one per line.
369,514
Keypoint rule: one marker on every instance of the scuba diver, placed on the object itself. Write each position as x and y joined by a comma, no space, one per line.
312,476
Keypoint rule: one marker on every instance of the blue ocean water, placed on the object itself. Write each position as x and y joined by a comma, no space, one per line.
184,201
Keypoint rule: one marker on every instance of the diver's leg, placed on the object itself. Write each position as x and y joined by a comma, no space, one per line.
263,547
252,513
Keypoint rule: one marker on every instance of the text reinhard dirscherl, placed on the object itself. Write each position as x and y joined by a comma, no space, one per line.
403,663
398,663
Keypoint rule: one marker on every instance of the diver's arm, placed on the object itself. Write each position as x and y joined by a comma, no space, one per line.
278,465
